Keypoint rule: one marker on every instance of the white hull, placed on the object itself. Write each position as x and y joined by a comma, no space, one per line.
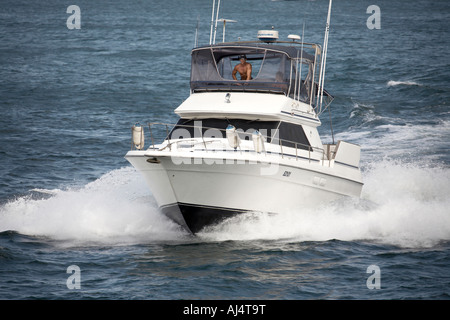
229,185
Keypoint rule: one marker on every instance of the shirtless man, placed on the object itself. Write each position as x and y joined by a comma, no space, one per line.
244,69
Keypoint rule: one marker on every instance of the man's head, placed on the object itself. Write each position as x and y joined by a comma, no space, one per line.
242,58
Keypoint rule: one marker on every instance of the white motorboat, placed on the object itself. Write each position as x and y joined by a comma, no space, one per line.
248,145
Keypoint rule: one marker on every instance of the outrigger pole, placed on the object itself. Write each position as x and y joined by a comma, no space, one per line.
196,34
324,60
212,22
212,40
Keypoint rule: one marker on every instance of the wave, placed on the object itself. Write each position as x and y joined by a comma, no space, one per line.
393,83
402,204
115,208
381,133
427,143
364,114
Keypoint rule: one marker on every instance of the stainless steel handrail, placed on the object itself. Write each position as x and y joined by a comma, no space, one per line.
326,154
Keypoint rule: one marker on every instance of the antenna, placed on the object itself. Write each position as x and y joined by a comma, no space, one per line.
215,27
324,60
293,37
301,63
296,77
224,23
212,22
196,33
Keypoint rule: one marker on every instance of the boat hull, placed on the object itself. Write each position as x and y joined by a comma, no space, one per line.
197,192
194,217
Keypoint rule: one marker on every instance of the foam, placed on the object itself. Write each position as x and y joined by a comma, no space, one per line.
115,208
397,137
393,83
402,204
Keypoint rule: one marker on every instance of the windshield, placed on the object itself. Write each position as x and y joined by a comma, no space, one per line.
268,70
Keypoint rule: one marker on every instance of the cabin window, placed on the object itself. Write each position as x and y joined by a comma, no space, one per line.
276,132
204,67
293,136
226,65
194,128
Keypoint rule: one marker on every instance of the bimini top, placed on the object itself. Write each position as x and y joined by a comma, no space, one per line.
275,68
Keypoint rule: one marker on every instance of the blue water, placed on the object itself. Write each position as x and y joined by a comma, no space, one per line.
68,99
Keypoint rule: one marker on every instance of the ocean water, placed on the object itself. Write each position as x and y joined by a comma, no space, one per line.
68,99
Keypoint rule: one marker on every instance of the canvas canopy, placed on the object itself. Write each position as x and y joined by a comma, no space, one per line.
274,69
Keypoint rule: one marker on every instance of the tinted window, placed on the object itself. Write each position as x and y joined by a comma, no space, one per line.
189,128
291,135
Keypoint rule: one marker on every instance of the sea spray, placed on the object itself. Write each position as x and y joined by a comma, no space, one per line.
401,204
116,207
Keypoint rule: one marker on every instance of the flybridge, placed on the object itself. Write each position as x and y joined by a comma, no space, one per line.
293,68
280,67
